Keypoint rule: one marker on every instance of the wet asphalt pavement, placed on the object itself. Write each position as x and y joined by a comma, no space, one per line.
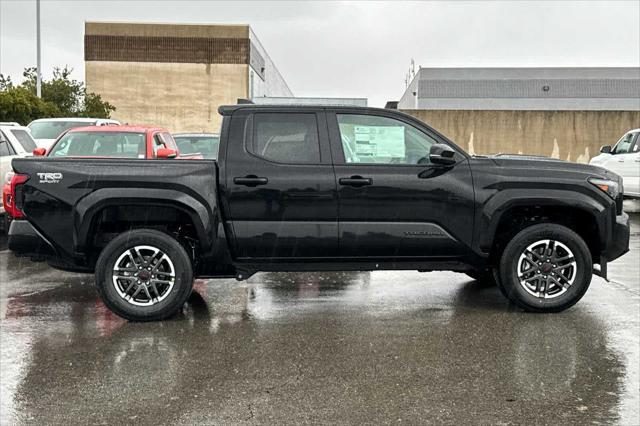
383,347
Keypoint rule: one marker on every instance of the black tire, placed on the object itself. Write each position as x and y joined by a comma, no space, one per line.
516,292
175,297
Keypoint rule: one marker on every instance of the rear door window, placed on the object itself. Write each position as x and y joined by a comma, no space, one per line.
25,139
286,138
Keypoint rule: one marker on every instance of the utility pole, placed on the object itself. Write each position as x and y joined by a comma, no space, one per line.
38,70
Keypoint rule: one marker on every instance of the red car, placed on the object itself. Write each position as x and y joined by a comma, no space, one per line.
108,142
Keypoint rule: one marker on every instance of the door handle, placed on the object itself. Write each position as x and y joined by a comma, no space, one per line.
355,181
250,180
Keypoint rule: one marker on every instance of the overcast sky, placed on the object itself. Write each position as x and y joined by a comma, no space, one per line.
353,49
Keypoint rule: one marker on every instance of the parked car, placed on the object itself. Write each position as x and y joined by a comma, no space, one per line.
46,130
623,159
205,144
9,123
15,141
115,142
312,188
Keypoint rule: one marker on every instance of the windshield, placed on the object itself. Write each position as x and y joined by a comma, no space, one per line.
100,144
52,129
205,145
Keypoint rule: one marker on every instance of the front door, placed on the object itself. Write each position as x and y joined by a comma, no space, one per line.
281,190
393,203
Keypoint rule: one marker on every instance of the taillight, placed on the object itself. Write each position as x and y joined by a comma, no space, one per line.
9,198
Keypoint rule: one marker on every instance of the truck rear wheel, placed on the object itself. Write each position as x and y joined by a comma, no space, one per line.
546,268
144,275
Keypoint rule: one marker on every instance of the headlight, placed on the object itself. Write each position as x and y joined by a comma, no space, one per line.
609,186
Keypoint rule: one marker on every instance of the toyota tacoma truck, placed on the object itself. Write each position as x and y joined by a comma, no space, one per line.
309,188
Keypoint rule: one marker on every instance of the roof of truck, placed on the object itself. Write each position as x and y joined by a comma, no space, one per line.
229,109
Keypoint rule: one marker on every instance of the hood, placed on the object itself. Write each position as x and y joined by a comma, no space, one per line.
542,163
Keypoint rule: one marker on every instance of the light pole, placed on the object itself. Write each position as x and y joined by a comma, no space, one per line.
38,73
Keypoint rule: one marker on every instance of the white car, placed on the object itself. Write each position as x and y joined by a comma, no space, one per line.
46,130
623,159
15,141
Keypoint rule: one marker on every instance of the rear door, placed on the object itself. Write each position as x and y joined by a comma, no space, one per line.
393,203
280,185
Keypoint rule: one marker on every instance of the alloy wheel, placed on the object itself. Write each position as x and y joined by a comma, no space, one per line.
143,275
546,269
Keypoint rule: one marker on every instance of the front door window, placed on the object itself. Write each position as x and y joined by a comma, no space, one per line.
370,139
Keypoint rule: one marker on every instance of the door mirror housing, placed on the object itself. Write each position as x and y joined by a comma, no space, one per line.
442,154
39,152
166,153
605,149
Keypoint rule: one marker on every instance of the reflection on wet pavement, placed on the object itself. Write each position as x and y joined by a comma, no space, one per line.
320,348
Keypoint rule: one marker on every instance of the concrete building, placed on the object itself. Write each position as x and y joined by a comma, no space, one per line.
177,75
565,113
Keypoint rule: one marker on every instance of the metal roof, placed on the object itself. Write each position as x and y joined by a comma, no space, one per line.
524,88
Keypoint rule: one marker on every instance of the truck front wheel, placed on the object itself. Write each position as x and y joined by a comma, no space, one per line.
546,268
144,275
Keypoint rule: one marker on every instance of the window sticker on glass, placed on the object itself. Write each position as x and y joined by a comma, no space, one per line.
380,141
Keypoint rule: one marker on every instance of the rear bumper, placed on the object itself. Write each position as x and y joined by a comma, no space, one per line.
24,240
619,243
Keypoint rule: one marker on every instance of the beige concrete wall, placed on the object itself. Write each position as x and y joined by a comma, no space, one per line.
569,135
181,97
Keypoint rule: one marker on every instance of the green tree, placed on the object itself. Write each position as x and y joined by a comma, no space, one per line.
62,96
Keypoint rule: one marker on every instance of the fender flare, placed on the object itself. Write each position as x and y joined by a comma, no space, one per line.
498,206
87,209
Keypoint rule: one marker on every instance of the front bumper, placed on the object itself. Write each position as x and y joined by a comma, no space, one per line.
25,240
619,243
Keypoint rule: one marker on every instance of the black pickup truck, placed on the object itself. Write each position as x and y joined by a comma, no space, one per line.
303,188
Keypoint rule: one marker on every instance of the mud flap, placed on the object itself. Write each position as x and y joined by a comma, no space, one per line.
601,269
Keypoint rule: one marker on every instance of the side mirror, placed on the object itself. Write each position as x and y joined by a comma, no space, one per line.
442,154
39,152
166,153
605,149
